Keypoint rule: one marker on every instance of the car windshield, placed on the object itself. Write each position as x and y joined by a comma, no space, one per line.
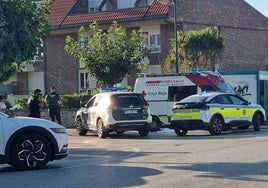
194,99
126,99
226,88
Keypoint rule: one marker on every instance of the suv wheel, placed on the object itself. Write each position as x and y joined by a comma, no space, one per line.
101,130
144,131
257,119
216,125
180,132
30,151
80,127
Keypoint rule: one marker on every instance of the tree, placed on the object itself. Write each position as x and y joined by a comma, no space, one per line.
197,48
23,28
108,55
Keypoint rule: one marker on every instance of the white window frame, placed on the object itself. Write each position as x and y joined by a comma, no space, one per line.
153,38
85,81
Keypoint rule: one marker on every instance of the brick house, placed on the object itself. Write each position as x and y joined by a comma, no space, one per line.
245,30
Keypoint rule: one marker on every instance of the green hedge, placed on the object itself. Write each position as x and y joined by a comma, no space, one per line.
68,101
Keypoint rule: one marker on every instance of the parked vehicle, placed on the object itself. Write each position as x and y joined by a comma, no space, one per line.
161,91
215,112
114,112
30,143
251,85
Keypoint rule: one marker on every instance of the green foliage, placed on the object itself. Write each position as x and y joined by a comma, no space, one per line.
23,102
22,28
8,104
108,56
196,48
71,101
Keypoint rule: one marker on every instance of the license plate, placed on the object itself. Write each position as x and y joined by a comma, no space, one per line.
186,110
131,111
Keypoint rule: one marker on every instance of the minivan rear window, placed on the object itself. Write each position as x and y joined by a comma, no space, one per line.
128,99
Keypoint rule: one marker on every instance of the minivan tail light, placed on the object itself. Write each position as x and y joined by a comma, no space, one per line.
146,108
146,104
112,106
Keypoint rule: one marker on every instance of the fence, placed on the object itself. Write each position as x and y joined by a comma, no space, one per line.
67,116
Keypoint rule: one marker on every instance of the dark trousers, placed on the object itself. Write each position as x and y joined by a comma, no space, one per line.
54,112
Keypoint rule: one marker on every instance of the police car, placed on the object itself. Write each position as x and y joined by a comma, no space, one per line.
30,143
215,112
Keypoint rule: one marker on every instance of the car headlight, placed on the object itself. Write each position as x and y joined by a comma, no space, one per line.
59,130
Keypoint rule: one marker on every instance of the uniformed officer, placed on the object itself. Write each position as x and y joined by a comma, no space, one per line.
35,104
53,101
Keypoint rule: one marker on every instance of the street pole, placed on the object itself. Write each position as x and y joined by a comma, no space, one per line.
176,37
175,32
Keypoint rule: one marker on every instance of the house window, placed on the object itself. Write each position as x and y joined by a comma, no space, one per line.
39,55
152,41
83,81
93,6
86,82
83,42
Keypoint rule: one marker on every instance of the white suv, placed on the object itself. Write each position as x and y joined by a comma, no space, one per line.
30,143
114,112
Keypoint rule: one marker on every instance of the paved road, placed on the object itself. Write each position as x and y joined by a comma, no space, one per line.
234,159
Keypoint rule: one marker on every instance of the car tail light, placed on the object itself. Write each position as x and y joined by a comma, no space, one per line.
146,106
175,107
112,106
178,106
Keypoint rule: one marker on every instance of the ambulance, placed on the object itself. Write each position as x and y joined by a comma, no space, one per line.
161,91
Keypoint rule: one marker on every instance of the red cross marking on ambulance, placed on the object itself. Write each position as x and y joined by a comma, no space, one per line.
143,94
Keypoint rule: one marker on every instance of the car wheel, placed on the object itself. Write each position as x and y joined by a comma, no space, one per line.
216,125
180,132
144,131
101,130
257,120
243,127
80,128
30,151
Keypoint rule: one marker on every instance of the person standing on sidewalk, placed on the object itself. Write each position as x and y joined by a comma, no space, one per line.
35,104
53,101
2,105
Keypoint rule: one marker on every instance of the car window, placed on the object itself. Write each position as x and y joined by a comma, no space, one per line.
236,100
99,100
193,99
126,99
90,102
222,99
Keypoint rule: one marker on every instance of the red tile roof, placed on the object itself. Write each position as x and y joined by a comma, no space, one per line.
59,10
60,13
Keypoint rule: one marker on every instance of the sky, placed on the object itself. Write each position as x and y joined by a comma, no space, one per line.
260,5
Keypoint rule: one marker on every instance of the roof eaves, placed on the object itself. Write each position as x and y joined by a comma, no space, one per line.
161,18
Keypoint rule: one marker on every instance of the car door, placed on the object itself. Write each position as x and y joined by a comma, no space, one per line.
229,111
86,112
94,111
244,112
